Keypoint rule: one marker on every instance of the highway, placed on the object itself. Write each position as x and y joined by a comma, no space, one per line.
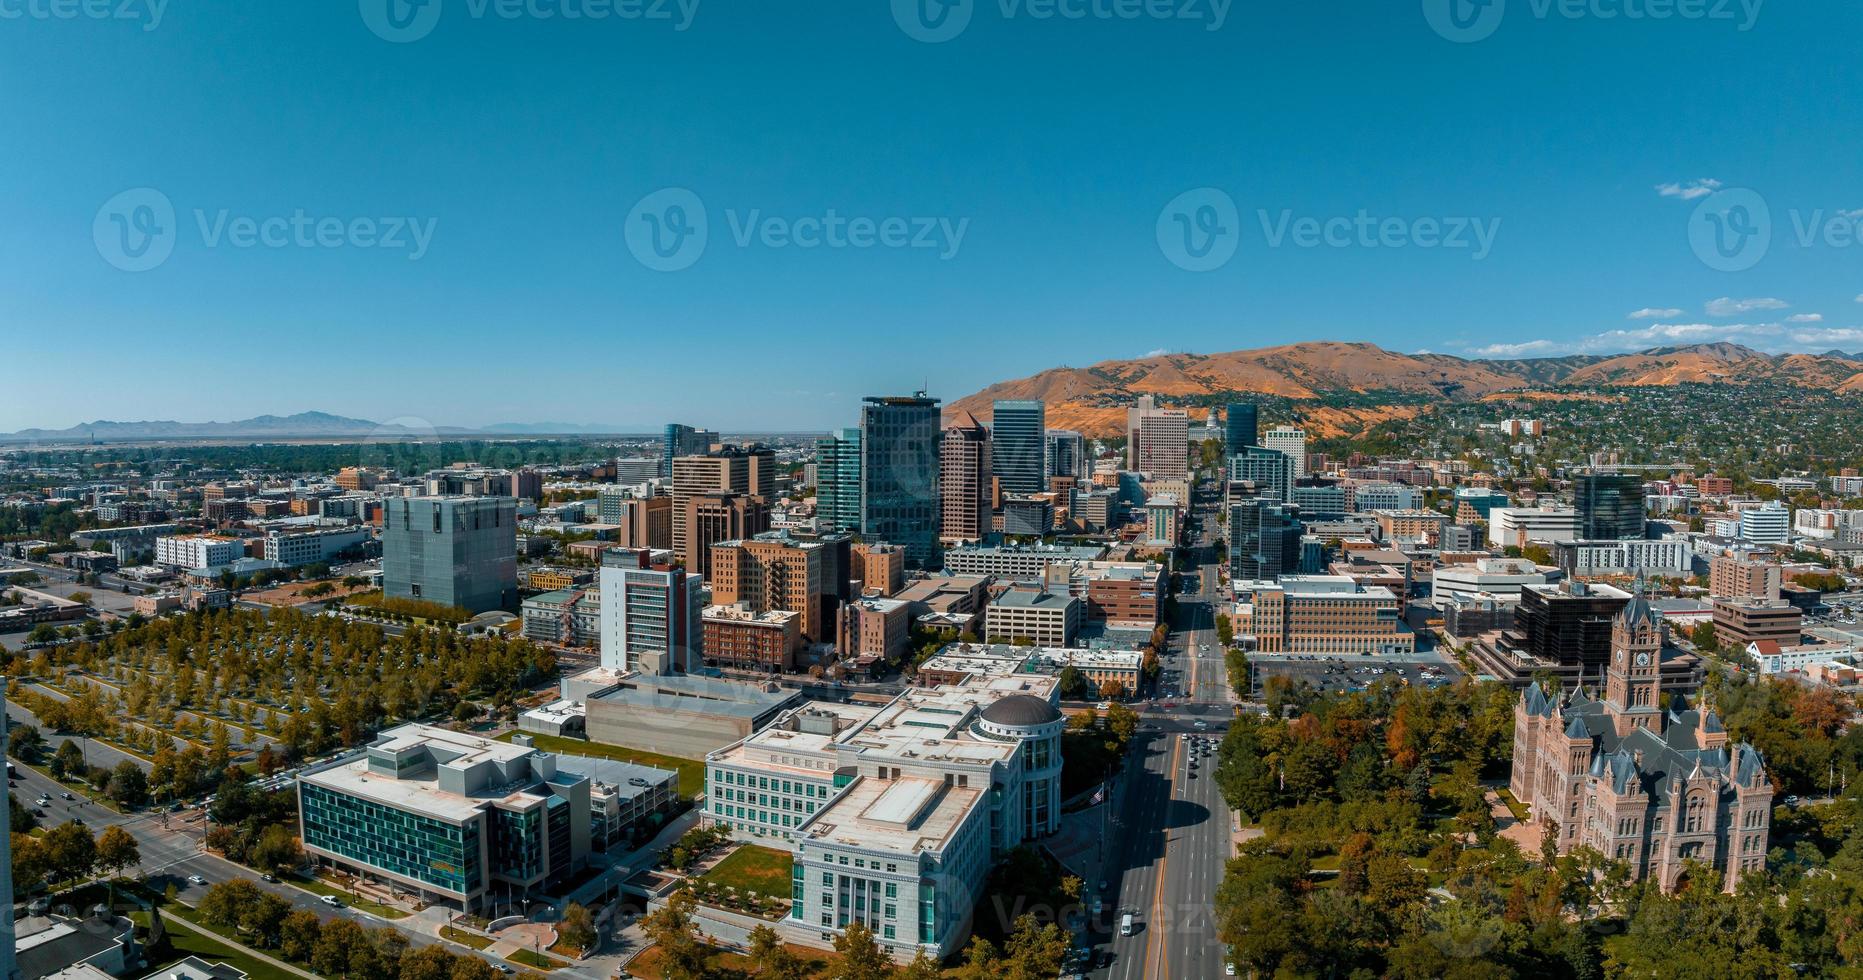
1171,833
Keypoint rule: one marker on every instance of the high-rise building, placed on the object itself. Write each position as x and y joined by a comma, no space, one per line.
773,574
683,440
644,522
456,551
837,488
1768,524
1264,539
1018,432
1290,441
749,471
715,517
1270,471
1569,623
1610,506
899,489
1067,455
652,615
964,480
1157,440
1241,427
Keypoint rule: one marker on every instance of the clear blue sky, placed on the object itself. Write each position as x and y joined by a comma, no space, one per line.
1054,143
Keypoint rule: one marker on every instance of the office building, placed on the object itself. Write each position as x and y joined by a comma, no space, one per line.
1163,520
1330,614
456,551
455,818
710,518
1270,471
638,470
1028,516
1670,557
651,615
1018,432
1382,496
1744,575
964,479
1740,621
1767,524
767,574
1480,501
1519,526
895,813
683,440
312,545
1320,501
185,551
1157,440
570,616
1094,509
1033,614
681,715
1264,539
745,472
837,476
1241,428
1290,442
879,567
1015,562
873,630
1568,624
640,522
1609,506
740,638
899,482
1067,456
1660,791
1501,578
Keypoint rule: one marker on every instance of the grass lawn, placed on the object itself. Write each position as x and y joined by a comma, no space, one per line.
530,958
691,771
753,869
1514,806
464,938
318,887
185,943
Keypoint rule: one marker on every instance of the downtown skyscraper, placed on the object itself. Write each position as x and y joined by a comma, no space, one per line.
964,481
1018,449
899,474
837,479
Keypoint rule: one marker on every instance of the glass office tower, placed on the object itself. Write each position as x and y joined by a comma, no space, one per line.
1018,450
1241,428
1610,506
1272,472
456,551
1264,539
899,474
837,479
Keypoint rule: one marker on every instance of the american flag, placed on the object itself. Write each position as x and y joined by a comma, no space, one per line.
1099,795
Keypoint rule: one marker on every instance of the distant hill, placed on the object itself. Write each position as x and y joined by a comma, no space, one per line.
304,425
1353,384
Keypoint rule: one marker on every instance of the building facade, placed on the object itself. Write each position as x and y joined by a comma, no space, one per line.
899,481
964,480
837,479
651,615
1018,450
456,551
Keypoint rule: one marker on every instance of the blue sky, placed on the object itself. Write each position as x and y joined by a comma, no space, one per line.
1033,156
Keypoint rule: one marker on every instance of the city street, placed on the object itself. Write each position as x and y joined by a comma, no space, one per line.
1171,833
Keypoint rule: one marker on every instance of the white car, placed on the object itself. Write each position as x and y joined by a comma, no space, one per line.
332,901
196,880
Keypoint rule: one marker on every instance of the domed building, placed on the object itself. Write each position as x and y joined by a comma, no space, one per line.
1036,725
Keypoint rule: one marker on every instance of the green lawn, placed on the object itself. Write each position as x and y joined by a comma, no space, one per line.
185,943
753,869
691,771
464,938
531,959
318,887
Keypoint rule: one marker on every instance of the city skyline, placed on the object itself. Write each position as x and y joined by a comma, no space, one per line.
467,229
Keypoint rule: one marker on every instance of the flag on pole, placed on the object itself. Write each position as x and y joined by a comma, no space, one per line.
1099,795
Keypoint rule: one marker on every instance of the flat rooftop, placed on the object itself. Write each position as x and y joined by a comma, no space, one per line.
901,815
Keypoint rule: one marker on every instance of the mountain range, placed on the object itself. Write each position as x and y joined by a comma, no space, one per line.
1354,384
303,425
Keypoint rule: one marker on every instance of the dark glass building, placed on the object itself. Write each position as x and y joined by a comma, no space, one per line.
1610,506
1569,623
1264,539
1241,427
1272,472
899,439
1018,445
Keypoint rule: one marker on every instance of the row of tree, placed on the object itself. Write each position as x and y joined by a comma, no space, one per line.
69,853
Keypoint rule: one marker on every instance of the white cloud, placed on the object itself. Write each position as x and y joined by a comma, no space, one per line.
1688,190
1655,313
1860,297
1761,335
1531,348
1805,318
1158,352
1728,306
1822,337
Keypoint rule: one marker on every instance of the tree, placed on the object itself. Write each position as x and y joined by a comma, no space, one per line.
861,956
473,968
68,760
427,963
128,784
1035,950
339,937
298,934
70,850
922,967
577,927
771,959
225,902
265,917
672,929
25,741
117,850
277,848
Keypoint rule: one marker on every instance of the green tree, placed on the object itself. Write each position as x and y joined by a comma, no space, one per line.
225,902
265,917
70,850
117,850
68,760
672,929
298,935
577,927
861,956
128,784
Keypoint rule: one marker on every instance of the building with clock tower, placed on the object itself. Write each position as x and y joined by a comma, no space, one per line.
1656,786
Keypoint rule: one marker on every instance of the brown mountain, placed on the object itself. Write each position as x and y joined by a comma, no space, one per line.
1344,380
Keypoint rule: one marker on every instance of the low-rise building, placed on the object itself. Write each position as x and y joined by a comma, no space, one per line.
873,630
1738,622
572,617
1321,614
1035,615
739,637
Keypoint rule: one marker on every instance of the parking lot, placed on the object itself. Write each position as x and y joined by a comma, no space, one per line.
1341,673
